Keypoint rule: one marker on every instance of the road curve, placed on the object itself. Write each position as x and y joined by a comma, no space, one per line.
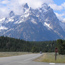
23,60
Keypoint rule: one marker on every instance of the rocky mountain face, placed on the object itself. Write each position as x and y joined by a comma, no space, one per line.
39,24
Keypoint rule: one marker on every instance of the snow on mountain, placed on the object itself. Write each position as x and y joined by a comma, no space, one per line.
2,19
39,24
3,28
33,21
47,25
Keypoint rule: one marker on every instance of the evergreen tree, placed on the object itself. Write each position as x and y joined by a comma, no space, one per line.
61,46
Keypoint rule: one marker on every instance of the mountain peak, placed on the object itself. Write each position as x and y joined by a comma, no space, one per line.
44,5
33,24
26,6
11,14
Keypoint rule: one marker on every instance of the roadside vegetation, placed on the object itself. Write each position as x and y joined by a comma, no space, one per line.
50,58
7,54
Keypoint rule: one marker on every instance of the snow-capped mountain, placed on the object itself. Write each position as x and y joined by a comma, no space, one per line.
33,25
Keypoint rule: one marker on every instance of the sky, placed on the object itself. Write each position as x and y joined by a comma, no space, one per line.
6,6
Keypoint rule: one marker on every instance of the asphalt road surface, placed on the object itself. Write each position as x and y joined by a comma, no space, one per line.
24,60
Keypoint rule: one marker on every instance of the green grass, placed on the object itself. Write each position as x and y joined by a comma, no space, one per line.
7,54
50,57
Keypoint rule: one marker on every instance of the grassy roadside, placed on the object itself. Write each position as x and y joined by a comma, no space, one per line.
7,54
50,57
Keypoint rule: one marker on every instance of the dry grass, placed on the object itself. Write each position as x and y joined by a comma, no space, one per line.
50,57
7,54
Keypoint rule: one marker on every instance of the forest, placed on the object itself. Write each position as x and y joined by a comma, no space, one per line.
8,44
12,44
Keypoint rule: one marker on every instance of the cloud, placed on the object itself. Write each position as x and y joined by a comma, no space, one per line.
55,7
35,3
60,10
61,16
7,5
4,1
63,5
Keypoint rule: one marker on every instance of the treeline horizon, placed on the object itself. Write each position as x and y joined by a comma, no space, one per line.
8,44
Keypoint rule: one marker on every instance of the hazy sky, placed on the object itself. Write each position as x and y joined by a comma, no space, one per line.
7,5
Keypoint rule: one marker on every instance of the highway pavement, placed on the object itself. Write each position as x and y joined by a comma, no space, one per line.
24,60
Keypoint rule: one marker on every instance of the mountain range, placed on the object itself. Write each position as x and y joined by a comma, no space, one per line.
40,24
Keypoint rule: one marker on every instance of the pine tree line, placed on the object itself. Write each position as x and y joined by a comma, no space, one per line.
12,44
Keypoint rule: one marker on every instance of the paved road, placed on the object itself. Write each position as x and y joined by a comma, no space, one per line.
23,60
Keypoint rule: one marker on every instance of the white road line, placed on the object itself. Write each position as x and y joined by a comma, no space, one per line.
51,63
23,62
